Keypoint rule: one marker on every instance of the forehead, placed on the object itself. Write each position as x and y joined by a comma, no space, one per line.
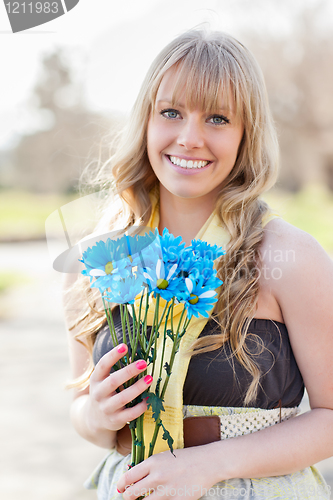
188,88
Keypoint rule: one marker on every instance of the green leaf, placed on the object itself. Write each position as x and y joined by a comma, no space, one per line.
182,334
156,404
167,437
151,355
158,383
170,334
167,368
132,424
139,354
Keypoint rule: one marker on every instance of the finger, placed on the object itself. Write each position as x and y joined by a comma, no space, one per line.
120,377
104,365
129,414
117,379
121,417
131,477
127,395
137,490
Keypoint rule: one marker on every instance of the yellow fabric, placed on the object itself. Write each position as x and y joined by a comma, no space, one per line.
213,233
268,217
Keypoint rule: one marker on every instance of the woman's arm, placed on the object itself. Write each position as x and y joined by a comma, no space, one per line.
304,291
98,411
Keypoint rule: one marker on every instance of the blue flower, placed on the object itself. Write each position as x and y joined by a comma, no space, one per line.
137,245
164,280
200,299
125,290
106,262
200,267
187,260
171,246
151,253
204,249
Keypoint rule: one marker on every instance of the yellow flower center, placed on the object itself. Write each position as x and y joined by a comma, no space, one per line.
194,299
162,284
108,268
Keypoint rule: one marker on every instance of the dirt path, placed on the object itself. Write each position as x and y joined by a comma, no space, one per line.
42,458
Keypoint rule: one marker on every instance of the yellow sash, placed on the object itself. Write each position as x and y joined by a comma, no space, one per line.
213,233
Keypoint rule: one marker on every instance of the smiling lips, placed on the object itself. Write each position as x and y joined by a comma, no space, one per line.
188,164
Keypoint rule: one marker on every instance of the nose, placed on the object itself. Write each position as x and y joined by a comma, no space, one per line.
191,134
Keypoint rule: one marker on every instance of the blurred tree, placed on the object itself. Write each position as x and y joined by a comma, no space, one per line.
53,158
299,75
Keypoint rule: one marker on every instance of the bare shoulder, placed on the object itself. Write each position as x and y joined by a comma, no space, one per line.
279,233
291,248
301,279
295,265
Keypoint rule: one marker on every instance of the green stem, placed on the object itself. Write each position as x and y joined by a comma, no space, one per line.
112,329
167,378
139,436
153,440
154,334
128,326
136,334
143,339
170,310
134,447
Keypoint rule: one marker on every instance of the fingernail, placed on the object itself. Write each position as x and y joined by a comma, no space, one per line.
118,491
141,365
148,379
121,348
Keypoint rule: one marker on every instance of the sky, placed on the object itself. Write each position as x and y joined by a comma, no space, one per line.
111,44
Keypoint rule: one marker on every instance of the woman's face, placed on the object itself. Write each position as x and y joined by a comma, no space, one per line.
191,151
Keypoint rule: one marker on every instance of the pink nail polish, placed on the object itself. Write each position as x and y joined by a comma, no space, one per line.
118,491
141,365
121,348
148,379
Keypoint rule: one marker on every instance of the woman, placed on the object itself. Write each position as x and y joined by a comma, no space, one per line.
197,153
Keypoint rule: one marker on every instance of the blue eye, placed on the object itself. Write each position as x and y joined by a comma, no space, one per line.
170,113
219,119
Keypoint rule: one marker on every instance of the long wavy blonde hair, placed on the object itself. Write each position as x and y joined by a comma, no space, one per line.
208,65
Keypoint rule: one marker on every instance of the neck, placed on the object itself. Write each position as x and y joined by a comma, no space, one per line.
183,216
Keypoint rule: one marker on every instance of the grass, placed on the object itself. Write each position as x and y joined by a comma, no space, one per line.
11,280
310,209
23,214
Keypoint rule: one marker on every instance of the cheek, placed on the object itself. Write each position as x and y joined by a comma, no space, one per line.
159,137
152,139
232,147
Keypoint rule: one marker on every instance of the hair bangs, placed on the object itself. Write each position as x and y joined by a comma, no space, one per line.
208,83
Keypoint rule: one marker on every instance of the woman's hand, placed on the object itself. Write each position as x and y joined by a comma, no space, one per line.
190,473
106,407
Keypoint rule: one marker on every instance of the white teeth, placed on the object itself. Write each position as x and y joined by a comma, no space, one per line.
188,164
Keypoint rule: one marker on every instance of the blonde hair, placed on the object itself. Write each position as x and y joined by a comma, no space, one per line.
209,65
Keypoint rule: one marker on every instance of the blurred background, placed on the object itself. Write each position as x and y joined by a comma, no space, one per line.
66,89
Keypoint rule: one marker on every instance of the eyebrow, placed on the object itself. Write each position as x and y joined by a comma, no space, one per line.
180,104
170,102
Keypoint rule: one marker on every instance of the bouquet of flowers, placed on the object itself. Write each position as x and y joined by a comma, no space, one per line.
161,274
